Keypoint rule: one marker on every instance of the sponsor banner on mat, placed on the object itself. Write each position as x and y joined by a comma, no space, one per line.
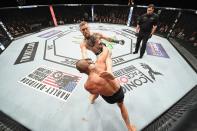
156,49
132,77
51,81
28,53
49,34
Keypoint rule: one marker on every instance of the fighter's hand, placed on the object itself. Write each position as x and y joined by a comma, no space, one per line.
107,75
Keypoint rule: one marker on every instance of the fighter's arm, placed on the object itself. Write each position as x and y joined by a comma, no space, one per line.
91,89
105,37
83,50
102,58
102,36
109,62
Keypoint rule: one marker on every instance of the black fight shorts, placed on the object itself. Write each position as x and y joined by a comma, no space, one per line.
115,98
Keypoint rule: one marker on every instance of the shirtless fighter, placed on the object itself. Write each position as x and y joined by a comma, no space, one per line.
103,83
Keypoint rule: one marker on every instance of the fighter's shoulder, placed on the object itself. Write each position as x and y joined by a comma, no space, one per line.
89,85
86,85
97,33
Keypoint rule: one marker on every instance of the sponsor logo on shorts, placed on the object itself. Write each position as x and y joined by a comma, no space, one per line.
28,53
52,82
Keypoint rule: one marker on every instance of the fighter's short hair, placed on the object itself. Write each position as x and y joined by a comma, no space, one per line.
82,23
82,65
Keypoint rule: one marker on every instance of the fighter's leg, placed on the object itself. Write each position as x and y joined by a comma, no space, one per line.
125,117
109,62
105,59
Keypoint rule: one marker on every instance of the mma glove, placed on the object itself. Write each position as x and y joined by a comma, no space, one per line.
121,42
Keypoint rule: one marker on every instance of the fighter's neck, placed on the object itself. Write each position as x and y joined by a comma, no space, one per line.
91,33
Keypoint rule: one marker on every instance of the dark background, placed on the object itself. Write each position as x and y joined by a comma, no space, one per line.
184,4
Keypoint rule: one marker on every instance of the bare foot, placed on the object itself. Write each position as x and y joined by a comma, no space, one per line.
106,75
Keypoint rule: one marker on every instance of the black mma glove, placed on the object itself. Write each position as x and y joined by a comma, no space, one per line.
121,42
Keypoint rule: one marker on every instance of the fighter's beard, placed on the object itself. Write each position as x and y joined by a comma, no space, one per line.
87,37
